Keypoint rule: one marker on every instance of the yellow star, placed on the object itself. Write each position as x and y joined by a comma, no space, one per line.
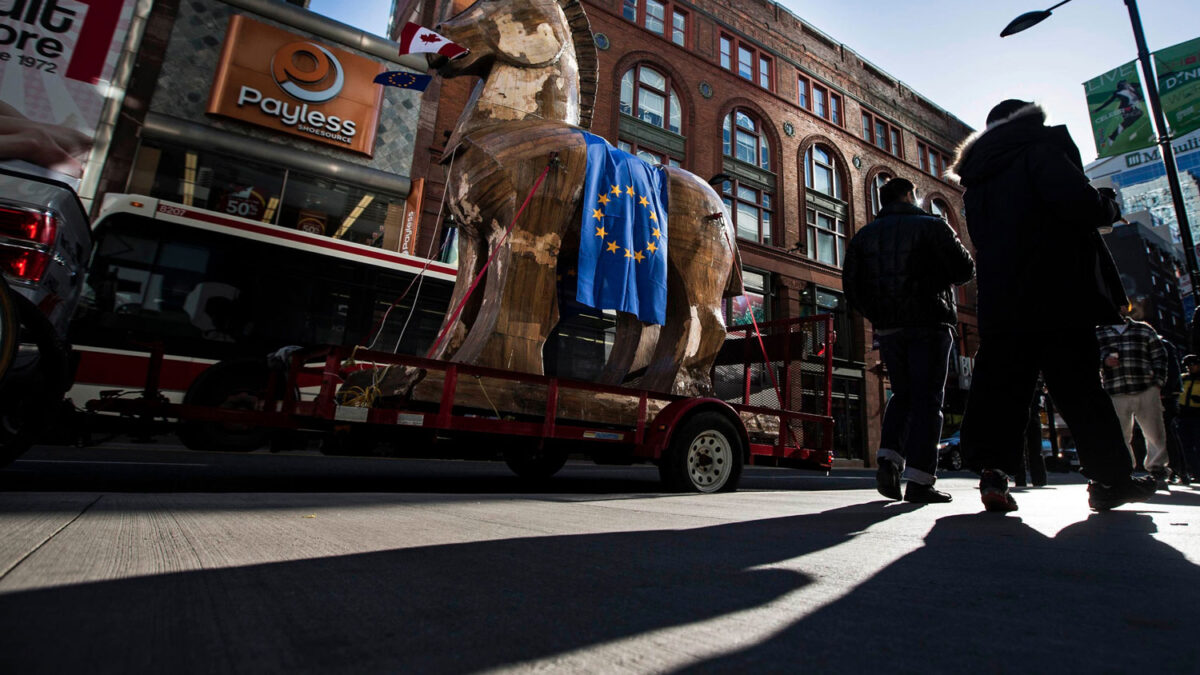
601,233
597,214
616,190
629,190
651,247
643,201
653,217
638,256
656,233
628,253
604,200
612,247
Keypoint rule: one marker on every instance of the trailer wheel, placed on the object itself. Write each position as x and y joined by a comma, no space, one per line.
705,455
535,463
238,384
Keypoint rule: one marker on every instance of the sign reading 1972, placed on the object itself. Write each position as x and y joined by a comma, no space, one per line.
45,35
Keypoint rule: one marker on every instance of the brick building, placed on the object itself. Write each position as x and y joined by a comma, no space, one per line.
803,130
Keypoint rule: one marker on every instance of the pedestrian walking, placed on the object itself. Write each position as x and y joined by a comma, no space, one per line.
1045,281
1172,386
900,273
1033,464
1189,416
1135,367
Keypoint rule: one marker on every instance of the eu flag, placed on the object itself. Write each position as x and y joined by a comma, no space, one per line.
403,80
623,240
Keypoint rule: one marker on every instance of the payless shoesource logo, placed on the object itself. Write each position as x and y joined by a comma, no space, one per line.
270,78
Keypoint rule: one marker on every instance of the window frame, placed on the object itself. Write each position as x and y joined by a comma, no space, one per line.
669,94
641,15
814,211
762,148
874,202
731,60
810,90
940,163
731,195
636,149
892,135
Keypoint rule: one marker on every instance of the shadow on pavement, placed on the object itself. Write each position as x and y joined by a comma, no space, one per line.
449,608
991,594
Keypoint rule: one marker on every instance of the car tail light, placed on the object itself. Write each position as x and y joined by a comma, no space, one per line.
22,263
31,225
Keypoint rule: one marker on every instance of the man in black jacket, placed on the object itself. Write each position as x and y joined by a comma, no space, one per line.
900,272
1046,280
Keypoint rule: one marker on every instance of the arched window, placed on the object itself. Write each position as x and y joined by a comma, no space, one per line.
826,210
744,140
648,95
875,202
940,209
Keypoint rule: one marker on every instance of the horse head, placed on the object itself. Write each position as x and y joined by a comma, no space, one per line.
518,33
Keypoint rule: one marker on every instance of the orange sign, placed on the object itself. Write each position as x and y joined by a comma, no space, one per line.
287,82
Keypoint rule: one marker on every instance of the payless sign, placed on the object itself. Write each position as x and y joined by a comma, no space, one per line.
283,81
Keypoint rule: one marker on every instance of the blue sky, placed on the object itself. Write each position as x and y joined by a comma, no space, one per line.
950,51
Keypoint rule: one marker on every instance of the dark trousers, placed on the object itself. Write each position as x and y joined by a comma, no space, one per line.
1189,437
1176,459
1006,368
917,361
1033,460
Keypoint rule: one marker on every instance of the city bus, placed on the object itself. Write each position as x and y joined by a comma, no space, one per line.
205,286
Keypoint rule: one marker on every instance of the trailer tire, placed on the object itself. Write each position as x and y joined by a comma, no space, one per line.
237,384
705,455
535,464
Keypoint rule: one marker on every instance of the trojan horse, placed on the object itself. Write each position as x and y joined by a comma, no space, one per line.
538,68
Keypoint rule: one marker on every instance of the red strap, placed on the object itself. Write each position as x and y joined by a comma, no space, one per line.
462,303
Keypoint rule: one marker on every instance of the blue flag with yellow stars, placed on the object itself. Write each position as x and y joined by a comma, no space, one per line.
403,80
623,242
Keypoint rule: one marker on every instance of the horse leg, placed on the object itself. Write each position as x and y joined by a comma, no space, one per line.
698,269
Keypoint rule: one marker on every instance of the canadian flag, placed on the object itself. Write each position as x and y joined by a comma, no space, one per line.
415,39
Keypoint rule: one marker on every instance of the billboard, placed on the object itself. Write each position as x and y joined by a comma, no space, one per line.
292,84
1178,75
1120,122
57,58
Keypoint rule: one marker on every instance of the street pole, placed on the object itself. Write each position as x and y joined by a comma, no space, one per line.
1164,143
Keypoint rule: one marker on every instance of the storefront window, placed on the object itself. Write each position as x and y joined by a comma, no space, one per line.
739,309
283,197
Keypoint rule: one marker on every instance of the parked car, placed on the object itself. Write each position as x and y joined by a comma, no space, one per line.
45,242
949,454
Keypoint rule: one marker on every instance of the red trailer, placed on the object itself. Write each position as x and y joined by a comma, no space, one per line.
775,412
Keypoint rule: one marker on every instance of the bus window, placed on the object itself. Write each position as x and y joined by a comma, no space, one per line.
212,295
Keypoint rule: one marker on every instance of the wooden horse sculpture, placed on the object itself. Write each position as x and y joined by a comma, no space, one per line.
537,65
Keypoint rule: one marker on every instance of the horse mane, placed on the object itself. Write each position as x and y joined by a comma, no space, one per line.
585,56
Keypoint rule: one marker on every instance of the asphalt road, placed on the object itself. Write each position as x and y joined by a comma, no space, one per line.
146,559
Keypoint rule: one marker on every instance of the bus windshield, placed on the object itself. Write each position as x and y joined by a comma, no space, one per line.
213,295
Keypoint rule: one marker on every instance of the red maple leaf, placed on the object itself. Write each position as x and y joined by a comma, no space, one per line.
430,38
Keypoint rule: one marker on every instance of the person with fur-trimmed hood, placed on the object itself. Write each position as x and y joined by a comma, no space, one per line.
1045,281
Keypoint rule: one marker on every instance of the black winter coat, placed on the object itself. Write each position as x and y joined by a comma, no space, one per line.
1033,221
901,267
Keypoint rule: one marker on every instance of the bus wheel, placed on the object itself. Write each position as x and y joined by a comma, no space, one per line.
705,455
238,384
535,463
